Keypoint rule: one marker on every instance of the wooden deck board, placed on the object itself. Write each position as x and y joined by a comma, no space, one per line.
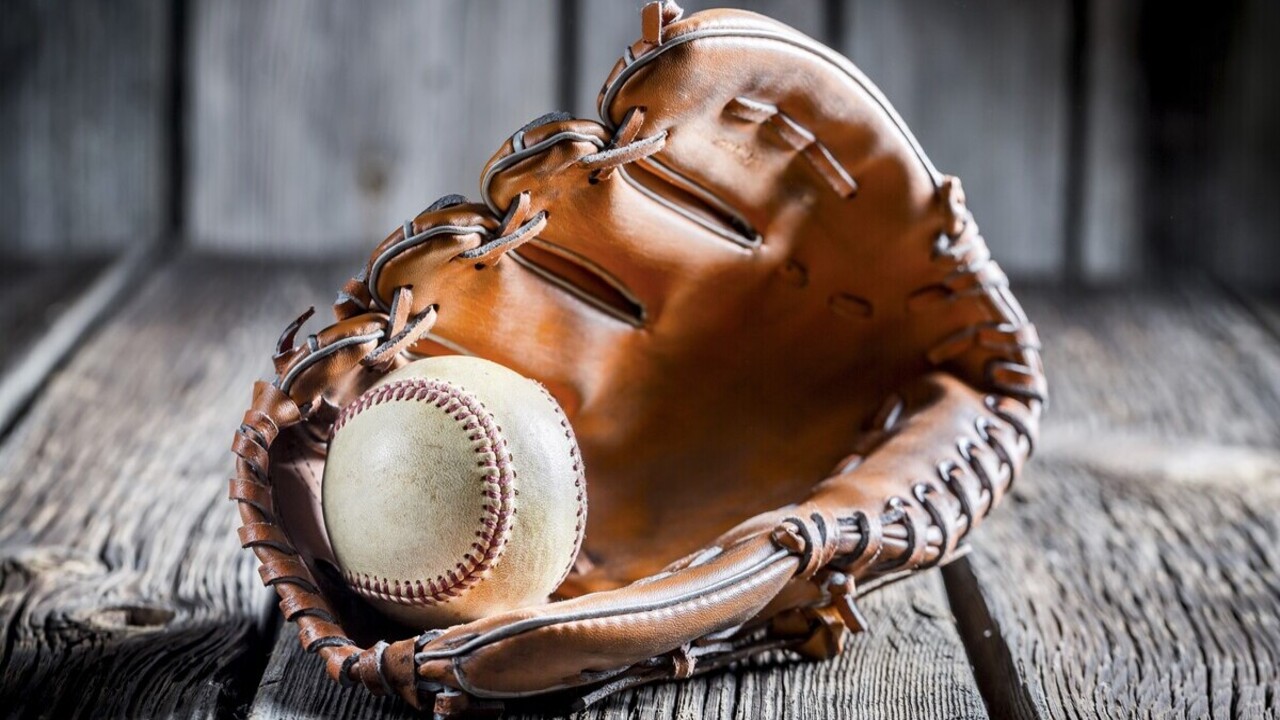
123,591
32,295
1135,571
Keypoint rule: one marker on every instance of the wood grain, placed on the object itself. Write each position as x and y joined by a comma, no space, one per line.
46,320
910,666
982,86
33,295
123,591
607,27
1135,571
321,126
83,124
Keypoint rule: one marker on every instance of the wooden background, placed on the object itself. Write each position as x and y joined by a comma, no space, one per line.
1098,139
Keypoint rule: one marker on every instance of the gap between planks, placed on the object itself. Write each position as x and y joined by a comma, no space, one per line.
1134,570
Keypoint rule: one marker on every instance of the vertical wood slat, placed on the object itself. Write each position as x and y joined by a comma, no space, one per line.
84,90
321,126
1242,240
982,86
1111,219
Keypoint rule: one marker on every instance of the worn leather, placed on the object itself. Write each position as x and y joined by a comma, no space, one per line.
793,369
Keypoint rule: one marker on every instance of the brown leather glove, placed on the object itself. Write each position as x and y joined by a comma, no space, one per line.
792,368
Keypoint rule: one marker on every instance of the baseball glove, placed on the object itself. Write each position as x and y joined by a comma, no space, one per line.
793,370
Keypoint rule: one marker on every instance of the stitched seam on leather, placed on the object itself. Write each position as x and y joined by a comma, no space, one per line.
497,511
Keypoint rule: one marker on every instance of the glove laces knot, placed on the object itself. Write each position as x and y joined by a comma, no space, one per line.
624,147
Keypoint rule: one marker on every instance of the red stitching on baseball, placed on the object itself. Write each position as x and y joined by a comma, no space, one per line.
471,414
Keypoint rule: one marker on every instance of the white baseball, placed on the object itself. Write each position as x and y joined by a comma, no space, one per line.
453,490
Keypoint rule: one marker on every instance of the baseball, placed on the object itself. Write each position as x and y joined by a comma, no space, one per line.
453,490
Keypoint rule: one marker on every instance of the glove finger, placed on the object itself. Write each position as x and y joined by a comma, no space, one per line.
785,131
604,635
613,242
482,307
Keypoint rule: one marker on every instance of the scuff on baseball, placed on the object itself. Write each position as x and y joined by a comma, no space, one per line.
453,490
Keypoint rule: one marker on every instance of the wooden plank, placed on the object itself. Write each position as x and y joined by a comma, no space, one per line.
982,86
606,28
1135,571
33,295
1241,190
910,666
122,589
1111,224
1267,309
322,126
83,126
47,310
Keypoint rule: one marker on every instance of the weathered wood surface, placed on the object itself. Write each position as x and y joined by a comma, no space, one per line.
84,124
31,296
122,589
45,310
322,126
982,86
1136,571
1267,308
288,127
911,666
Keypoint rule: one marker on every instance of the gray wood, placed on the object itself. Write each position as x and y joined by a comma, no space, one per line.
322,126
982,85
32,295
1239,242
83,124
46,310
911,666
1267,309
607,27
122,589
1135,571
1111,222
